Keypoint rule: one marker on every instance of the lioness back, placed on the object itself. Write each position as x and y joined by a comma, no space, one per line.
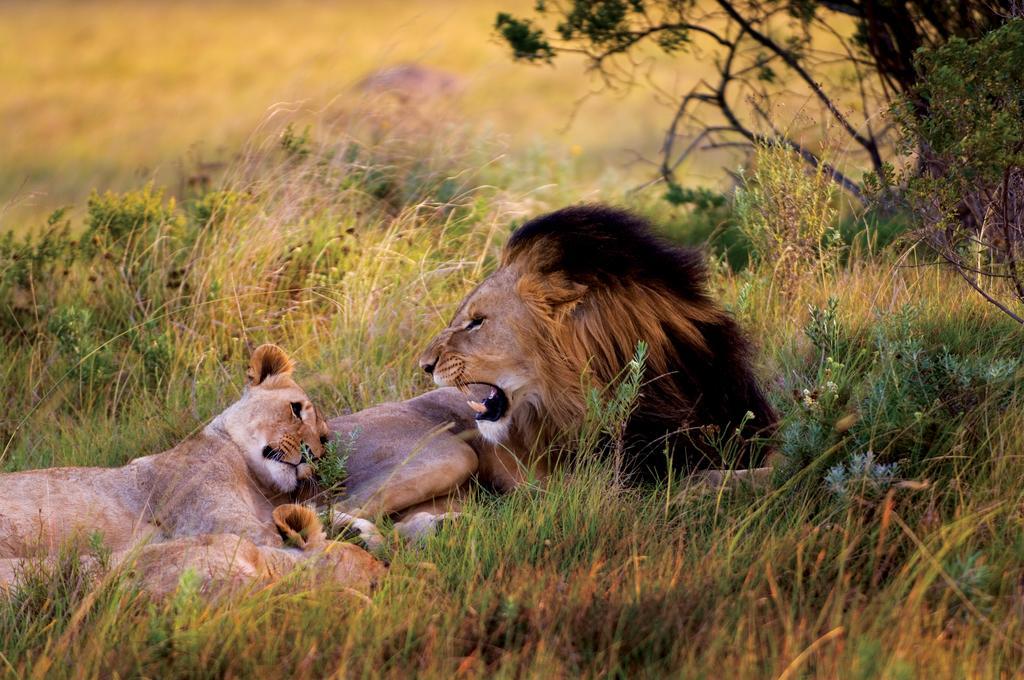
41,509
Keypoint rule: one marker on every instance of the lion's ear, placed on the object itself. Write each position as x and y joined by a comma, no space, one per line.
552,291
266,361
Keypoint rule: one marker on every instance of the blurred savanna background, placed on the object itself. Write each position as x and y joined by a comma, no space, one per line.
181,181
110,95
91,90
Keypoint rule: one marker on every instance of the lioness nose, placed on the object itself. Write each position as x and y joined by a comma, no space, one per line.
428,365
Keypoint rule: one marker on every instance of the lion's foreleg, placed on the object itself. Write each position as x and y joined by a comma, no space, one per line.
434,471
504,471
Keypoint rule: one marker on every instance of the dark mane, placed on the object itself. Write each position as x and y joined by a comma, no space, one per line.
597,244
699,375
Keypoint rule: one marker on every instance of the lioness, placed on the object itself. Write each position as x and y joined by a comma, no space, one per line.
575,292
224,562
226,481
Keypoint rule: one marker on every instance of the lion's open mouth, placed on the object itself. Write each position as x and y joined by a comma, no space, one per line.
493,406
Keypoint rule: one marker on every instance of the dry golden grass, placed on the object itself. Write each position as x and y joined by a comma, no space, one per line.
113,93
108,94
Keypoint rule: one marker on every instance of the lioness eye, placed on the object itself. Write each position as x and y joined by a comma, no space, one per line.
475,323
297,408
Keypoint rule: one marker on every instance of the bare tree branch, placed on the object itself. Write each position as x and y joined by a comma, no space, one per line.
796,67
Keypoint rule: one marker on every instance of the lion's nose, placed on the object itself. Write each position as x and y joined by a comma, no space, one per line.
428,365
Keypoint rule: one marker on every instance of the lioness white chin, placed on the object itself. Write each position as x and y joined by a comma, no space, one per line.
206,501
575,292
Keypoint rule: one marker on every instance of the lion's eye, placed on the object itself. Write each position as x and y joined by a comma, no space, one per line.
476,322
297,408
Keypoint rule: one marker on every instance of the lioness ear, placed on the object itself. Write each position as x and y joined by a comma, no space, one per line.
299,526
266,361
554,292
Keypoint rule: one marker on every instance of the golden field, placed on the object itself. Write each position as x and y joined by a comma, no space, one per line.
888,545
111,94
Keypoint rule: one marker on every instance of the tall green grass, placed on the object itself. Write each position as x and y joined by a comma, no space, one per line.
349,246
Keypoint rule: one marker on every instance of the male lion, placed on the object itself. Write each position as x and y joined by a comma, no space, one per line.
575,292
218,496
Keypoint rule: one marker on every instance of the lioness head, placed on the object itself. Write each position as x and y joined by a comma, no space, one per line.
275,425
576,291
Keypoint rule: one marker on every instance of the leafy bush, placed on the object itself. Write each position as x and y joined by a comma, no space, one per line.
332,468
117,220
32,269
71,326
705,218
216,206
899,392
966,121
296,144
608,413
861,477
75,331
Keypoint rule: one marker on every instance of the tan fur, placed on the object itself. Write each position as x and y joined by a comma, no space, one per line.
414,452
299,526
576,291
402,454
217,482
224,563
544,356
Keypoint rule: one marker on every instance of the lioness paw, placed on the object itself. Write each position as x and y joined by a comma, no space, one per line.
347,527
424,524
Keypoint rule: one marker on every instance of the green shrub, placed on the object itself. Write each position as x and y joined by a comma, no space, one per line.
112,219
965,123
155,346
214,207
900,393
72,326
78,343
709,219
296,144
332,468
608,411
788,214
32,270
861,478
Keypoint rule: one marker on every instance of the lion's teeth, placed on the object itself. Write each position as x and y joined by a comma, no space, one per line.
477,406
